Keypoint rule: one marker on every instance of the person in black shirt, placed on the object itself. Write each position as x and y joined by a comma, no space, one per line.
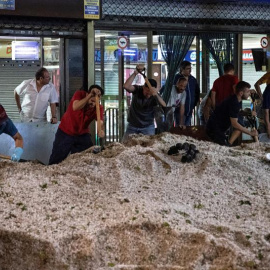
226,115
141,112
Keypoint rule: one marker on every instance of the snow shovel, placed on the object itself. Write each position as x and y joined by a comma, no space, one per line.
254,118
21,160
99,122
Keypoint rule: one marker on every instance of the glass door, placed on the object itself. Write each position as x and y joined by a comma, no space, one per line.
114,63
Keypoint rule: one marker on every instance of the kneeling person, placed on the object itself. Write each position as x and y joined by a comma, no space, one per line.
73,134
226,115
7,127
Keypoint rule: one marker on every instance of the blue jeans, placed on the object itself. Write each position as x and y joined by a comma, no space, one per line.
149,130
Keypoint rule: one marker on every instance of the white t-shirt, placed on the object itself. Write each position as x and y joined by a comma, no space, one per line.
176,99
35,104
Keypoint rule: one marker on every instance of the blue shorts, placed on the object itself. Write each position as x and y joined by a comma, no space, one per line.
9,128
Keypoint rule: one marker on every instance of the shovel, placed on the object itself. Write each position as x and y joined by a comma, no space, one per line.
98,121
21,160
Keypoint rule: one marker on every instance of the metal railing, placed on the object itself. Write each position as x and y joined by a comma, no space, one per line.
111,125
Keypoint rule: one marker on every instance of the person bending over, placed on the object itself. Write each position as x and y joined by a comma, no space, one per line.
73,135
226,115
178,99
141,112
7,127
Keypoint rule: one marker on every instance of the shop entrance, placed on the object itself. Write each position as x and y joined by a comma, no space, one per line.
114,63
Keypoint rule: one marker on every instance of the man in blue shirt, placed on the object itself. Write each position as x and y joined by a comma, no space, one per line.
226,115
7,126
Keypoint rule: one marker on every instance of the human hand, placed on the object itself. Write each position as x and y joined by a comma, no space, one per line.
17,154
254,133
101,133
253,113
54,120
139,68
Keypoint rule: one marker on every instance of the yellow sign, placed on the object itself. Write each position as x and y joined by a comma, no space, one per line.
5,49
92,9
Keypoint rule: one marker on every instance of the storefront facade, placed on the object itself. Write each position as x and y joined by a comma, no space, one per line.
79,50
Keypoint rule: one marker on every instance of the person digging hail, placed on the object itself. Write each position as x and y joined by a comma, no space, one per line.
141,112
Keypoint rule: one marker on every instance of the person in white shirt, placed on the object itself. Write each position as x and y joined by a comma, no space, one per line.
178,99
37,93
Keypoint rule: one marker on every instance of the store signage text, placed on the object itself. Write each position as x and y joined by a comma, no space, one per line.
7,4
92,9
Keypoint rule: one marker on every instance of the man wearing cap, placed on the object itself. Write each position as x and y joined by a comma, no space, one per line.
141,112
7,126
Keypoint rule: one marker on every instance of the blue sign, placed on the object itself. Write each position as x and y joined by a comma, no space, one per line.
7,4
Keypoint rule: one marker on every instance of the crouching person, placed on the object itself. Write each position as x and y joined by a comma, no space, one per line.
73,134
226,115
7,127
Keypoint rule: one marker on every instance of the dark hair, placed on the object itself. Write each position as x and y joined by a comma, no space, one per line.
228,67
181,79
96,86
241,86
184,64
40,73
152,82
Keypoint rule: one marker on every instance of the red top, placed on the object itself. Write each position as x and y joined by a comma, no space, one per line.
76,123
223,86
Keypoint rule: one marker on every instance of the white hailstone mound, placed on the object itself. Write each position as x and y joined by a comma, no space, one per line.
134,206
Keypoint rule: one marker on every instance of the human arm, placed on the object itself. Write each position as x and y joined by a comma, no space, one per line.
18,101
267,122
262,80
236,125
53,111
182,115
128,84
16,156
18,140
213,99
158,97
78,104
207,109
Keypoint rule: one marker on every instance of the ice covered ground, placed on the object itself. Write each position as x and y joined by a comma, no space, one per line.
135,207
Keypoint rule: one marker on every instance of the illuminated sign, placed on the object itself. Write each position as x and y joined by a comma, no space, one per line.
25,50
92,9
7,4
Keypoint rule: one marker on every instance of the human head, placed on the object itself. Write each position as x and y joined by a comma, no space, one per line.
146,91
43,76
228,68
243,89
185,68
181,85
3,115
95,90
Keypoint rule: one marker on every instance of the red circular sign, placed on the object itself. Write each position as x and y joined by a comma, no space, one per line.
264,42
122,42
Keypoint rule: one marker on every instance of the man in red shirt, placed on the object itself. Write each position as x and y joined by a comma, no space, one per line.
73,134
224,86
